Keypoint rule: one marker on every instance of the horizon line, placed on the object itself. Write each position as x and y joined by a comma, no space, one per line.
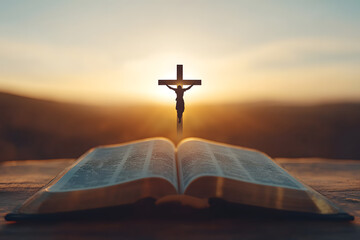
145,103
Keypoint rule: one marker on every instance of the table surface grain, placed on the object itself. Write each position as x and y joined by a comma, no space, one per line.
338,180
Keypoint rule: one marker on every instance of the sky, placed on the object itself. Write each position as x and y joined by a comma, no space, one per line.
115,51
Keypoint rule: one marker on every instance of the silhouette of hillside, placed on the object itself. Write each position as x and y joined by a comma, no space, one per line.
40,129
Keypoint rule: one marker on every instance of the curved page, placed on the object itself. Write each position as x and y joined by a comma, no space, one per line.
106,166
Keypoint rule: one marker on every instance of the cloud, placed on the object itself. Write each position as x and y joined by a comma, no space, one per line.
272,70
25,57
297,53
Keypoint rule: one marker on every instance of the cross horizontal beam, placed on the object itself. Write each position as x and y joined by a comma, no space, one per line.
180,82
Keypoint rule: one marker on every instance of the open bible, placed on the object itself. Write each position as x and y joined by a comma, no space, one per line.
198,173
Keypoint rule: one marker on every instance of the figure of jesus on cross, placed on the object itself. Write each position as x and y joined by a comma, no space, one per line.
179,90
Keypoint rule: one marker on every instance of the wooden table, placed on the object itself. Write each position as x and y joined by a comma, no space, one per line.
339,180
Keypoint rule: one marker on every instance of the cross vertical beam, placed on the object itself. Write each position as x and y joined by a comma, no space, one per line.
179,72
179,127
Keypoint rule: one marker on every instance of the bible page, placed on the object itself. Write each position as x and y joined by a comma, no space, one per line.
198,158
105,166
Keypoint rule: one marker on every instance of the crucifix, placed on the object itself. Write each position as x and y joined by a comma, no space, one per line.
180,105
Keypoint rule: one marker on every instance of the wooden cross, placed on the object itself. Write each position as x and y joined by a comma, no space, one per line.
179,80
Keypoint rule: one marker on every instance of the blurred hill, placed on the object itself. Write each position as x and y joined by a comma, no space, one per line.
40,129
